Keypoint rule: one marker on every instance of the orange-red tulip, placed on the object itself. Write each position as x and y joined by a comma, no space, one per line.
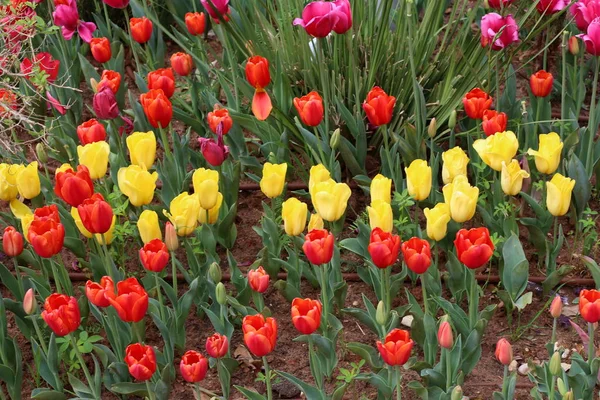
99,293
306,315
46,236
217,345
61,313
258,279
12,242
383,248
100,48
257,72
157,107
154,255
47,213
109,79
219,116
476,102
260,334
131,300
195,23
474,247
91,131
493,122
379,106
417,254
141,361
310,108
445,337
541,83
182,63
504,353
318,246
193,366
74,187
164,79
141,29
396,348
96,214
589,305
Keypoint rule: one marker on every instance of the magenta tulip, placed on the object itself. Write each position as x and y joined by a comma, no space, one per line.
216,7
117,3
498,4
67,17
592,38
498,31
585,11
319,18
105,104
551,6
214,151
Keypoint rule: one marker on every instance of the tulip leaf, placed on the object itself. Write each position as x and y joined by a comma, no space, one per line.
457,277
367,353
129,388
516,268
594,269
379,382
47,394
251,395
471,352
79,387
310,391
524,301
582,190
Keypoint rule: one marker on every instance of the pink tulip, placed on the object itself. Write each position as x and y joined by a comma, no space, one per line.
52,101
105,104
319,18
592,38
585,11
498,4
345,21
67,17
551,6
506,28
216,7
117,3
215,152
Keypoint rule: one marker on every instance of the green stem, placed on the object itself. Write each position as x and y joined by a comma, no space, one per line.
165,141
321,153
424,290
473,301
160,299
107,18
56,276
592,122
448,370
324,298
174,274
552,388
504,382
314,366
563,95
83,366
591,348
19,277
150,390
538,111
131,41
38,331
398,383
323,71
553,338
267,378
138,329
107,259
259,302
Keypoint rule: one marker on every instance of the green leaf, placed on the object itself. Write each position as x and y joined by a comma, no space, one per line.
310,391
47,394
593,268
524,301
249,393
129,388
516,268
366,352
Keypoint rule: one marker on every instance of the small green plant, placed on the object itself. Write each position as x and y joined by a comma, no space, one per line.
589,233
85,344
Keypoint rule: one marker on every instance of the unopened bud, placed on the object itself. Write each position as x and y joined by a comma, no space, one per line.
573,45
569,395
432,129
555,368
381,314
457,393
221,294
486,4
29,303
334,142
556,307
562,388
40,151
452,120
214,271
445,337
171,239
94,84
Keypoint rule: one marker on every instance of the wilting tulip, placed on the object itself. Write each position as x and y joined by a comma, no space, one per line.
141,29
195,23
512,177
148,226
319,18
66,16
105,104
461,197
46,236
396,348
498,4
116,3
141,361
182,63
216,8
383,248
551,6
445,337
589,305
91,131
437,221
273,179
110,79
330,199
476,102
142,148
381,189
29,302
541,83
217,345
293,213
315,222
381,215
258,279
310,108
219,116
101,50
12,242
74,187
8,181
213,213
95,157
28,181
44,62
474,247
498,31
96,214
157,107
61,313
417,254
260,334
164,79
154,255
504,353
498,148
306,315
257,74
418,179
556,307
131,300
318,246
493,122
558,197
379,106
98,293
193,366
547,157
184,210
318,174
455,163
206,187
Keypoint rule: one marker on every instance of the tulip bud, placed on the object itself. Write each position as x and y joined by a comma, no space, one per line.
504,353
556,307
381,314
555,368
171,237
445,337
573,45
569,395
452,120
29,303
334,142
432,129
214,272
40,151
221,294
457,393
562,388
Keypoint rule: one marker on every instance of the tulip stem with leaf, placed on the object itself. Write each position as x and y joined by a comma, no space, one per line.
398,383
84,367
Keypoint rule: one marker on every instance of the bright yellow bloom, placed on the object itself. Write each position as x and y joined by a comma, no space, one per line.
137,184
108,236
455,164
381,216
418,179
293,213
547,157
206,187
558,196
330,199
316,222
63,168
437,221
142,148
184,210
497,148
28,181
318,174
273,179
8,181
381,189
213,213
461,198
148,226
512,177
95,157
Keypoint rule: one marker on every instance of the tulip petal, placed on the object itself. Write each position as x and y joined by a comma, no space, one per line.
261,105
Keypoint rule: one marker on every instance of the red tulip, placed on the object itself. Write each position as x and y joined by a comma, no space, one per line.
100,48
310,108
417,254
141,361
193,366
541,83
258,279
96,214
318,246
110,79
182,63
589,305
445,337
556,307
306,315
131,300
46,236
157,107
257,72
214,151
396,348
493,122
45,63
474,247
476,102
12,242
141,29
154,255
163,79
498,31
91,131
74,187
260,334
105,103
504,353
8,100
99,293
217,345
195,23
47,213
219,116
379,106
383,248
61,313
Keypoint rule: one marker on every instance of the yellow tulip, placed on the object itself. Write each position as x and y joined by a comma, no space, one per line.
455,164
142,148
79,224
206,187
547,157
8,181
318,174
418,179
293,213
23,213
558,196
137,184
28,181
184,210
437,221
381,189
63,168
108,236
316,222
497,148
273,179
381,216
95,157
461,198
330,199
148,226
512,177
213,213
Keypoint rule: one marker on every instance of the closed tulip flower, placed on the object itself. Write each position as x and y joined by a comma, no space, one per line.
148,226
258,279
110,79
61,313
493,122
257,74
494,149
273,179
474,247
417,254
193,366
437,221
381,215
318,174
445,337
154,255
137,184
213,213
74,187
319,18
182,63
512,177
455,164
184,210
498,31
8,181
381,189
96,214
589,305
293,213
142,148
260,334
318,246
219,116
214,151
46,236
131,300
499,4
28,181
217,345
556,306
310,108
116,3
164,79
95,157
541,83
107,237
330,199
12,242
558,198
504,353
315,222
141,361
91,131
306,315
216,8
379,106
157,107
396,348
195,23
100,48
461,197
206,187
105,103
29,302
383,248
141,29
98,293
547,157
418,179
476,102
591,39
